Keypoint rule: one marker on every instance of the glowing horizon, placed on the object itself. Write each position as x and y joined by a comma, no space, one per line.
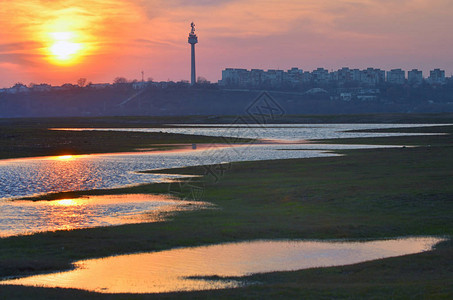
61,41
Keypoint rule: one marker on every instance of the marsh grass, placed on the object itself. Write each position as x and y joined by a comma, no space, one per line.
30,139
366,194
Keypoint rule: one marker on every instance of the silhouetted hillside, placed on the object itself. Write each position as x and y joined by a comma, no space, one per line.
171,101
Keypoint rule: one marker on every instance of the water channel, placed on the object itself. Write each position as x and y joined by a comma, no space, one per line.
183,269
177,269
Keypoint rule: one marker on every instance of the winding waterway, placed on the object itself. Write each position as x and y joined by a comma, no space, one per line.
29,217
178,269
282,132
183,269
42,175
37,176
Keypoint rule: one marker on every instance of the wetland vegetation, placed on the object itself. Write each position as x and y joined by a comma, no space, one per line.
365,194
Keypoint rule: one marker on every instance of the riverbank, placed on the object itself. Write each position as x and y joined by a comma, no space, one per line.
32,138
33,141
367,194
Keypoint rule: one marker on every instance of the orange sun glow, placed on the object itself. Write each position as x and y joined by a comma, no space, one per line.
64,48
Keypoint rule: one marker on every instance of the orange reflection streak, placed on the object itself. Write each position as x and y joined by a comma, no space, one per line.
174,270
64,157
66,202
28,217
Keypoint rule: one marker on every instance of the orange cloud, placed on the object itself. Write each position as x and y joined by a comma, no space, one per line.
109,38
53,31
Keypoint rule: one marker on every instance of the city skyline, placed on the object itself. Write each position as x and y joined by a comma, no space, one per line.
233,76
60,41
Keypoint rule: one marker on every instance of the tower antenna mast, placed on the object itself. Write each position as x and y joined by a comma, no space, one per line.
193,39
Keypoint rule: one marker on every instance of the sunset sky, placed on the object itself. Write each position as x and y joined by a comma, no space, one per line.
60,41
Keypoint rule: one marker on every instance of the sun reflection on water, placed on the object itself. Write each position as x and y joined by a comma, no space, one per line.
66,202
183,269
64,157
28,217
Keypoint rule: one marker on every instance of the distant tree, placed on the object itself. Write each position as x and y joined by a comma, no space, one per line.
68,86
81,82
19,84
150,79
202,80
120,80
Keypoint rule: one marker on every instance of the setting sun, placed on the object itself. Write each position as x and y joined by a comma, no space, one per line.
64,50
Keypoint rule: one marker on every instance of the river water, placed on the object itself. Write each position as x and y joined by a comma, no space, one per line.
182,269
283,132
40,176
28,217
177,269
37,176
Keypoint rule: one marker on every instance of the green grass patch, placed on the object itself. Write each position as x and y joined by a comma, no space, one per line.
366,194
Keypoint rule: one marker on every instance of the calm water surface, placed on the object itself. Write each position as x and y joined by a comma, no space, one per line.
40,176
172,270
28,217
286,132
28,177
180,269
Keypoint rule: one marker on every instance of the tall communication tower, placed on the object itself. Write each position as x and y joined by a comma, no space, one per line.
193,39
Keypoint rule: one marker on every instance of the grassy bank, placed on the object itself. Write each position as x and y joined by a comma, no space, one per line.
28,141
153,121
31,137
365,194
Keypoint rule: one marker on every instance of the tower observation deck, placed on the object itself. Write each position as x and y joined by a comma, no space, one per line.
193,39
